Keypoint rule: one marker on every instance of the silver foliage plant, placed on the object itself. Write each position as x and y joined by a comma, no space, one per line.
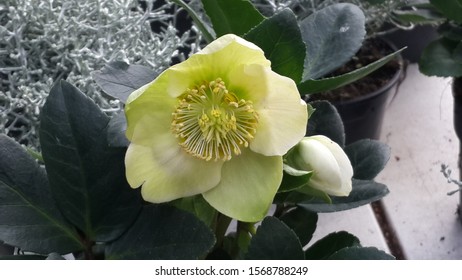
43,41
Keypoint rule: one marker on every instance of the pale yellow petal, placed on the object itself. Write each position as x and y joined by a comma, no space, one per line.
282,113
248,186
166,172
149,112
217,60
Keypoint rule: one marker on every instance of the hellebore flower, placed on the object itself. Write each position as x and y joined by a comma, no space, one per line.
332,170
216,124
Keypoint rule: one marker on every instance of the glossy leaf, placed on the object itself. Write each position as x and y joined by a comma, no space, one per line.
163,232
118,79
274,241
368,157
279,37
437,59
116,131
360,253
197,206
314,86
302,222
332,36
232,16
326,121
87,177
451,31
364,192
29,218
330,244
452,9
308,195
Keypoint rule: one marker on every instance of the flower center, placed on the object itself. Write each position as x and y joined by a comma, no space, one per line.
211,123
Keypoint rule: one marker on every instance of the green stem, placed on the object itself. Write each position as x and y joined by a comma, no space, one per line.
249,227
245,232
222,224
199,23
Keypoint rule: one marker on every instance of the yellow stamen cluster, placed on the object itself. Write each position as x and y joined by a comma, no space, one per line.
211,123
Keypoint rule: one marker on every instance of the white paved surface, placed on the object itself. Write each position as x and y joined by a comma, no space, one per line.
419,128
359,221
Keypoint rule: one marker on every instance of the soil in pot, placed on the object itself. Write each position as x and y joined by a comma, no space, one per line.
362,104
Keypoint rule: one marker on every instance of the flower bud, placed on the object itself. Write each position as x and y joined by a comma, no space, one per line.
332,170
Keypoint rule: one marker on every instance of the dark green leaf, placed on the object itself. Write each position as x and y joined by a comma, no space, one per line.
314,86
197,206
332,36
290,183
330,244
279,37
305,195
29,218
451,31
364,192
457,54
368,158
87,177
118,79
313,193
437,59
116,131
232,16
274,241
163,232
302,222
326,121
452,9
360,253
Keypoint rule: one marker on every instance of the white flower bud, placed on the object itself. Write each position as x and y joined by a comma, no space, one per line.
332,170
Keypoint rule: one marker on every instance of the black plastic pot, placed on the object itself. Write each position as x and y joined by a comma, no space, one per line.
363,116
457,94
415,39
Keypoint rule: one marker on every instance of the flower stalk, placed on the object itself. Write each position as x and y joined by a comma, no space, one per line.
197,20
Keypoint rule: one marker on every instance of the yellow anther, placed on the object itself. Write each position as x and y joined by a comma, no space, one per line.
210,122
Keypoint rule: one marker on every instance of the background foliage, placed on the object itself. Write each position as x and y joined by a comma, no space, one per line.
45,40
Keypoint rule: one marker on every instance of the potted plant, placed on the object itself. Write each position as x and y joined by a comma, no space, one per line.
361,104
201,144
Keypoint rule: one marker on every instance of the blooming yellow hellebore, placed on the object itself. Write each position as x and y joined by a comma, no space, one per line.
216,124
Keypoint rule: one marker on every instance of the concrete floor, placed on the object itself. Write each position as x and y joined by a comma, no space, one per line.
418,127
